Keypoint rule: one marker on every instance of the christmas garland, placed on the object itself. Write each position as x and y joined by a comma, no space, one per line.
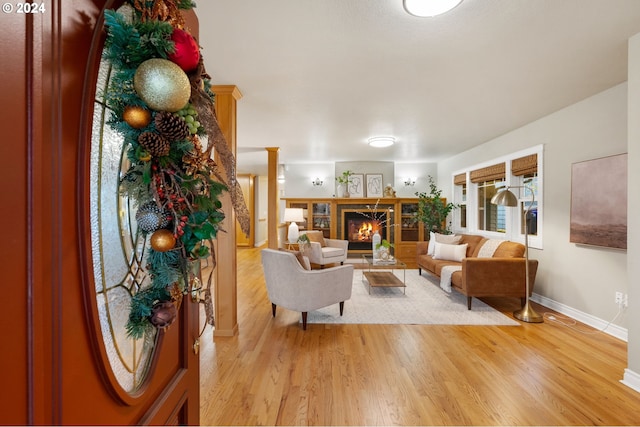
158,95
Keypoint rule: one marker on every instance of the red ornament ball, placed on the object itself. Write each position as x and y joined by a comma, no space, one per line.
187,53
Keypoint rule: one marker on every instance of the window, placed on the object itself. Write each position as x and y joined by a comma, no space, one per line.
460,198
529,201
525,176
473,189
490,217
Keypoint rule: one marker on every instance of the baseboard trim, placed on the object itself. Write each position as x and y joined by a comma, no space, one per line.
631,379
595,322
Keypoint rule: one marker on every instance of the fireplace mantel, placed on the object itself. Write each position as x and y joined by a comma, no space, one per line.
327,215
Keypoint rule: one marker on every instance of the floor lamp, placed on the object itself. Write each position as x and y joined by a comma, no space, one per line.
504,197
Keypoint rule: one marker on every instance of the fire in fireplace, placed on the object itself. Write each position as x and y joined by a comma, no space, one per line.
359,229
362,230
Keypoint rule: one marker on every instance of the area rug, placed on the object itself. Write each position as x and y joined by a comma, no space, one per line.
423,303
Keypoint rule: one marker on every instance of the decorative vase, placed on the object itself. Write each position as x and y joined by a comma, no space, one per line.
342,191
375,241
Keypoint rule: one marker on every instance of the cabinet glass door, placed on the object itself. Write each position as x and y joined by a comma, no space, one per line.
322,218
408,222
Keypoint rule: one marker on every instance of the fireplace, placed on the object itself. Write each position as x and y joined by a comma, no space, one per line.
359,229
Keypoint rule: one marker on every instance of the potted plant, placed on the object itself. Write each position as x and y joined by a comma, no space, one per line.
433,209
303,242
343,183
384,250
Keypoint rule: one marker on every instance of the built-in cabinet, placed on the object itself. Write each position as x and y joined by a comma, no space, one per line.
318,215
410,230
405,231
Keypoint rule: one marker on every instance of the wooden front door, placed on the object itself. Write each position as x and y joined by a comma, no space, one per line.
55,369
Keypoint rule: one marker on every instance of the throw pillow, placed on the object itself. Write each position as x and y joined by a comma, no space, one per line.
449,252
450,239
303,260
316,236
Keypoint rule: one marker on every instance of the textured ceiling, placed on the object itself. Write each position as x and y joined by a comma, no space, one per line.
319,77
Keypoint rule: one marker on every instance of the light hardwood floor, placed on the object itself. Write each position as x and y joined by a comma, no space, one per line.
274,373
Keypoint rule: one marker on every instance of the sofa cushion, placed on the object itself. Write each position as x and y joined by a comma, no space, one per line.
509,250
330,252
475,242
449,252
451,239
316,236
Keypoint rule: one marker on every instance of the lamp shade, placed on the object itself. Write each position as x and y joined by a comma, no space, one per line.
293,215
505,198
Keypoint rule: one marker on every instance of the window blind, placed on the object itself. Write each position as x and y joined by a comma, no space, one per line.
489,173
524,165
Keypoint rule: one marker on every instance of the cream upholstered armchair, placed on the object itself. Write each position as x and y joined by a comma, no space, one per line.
291,286
323,251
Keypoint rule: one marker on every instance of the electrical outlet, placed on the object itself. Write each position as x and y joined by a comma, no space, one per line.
625,300
619,298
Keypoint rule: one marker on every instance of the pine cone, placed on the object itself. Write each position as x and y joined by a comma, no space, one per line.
171,126
155,144
151,218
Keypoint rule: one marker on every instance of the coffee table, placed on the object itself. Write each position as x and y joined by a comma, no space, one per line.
384,279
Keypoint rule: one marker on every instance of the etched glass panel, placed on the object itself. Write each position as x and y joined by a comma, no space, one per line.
117,248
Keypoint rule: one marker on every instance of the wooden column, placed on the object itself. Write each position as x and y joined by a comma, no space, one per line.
273,197
225,287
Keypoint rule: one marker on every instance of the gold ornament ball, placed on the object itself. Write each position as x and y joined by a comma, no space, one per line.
136,117
162,240
162,85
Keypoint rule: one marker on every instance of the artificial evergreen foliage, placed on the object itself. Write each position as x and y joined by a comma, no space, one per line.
168,168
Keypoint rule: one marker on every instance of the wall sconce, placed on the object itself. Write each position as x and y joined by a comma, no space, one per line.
409,182
317,182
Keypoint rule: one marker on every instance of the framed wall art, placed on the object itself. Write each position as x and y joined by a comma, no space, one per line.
356,185
374,185
599,202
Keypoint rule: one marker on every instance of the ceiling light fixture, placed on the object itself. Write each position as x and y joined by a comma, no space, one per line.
381,141
427,8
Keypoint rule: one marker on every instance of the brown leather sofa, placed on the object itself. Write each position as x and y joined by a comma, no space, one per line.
502,275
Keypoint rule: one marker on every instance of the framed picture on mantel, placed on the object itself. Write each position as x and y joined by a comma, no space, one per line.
374,184
356,185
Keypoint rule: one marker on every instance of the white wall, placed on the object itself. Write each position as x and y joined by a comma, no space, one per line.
298,177
574,277
632,374
419,171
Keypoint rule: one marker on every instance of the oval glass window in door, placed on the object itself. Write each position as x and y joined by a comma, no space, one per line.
118,249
